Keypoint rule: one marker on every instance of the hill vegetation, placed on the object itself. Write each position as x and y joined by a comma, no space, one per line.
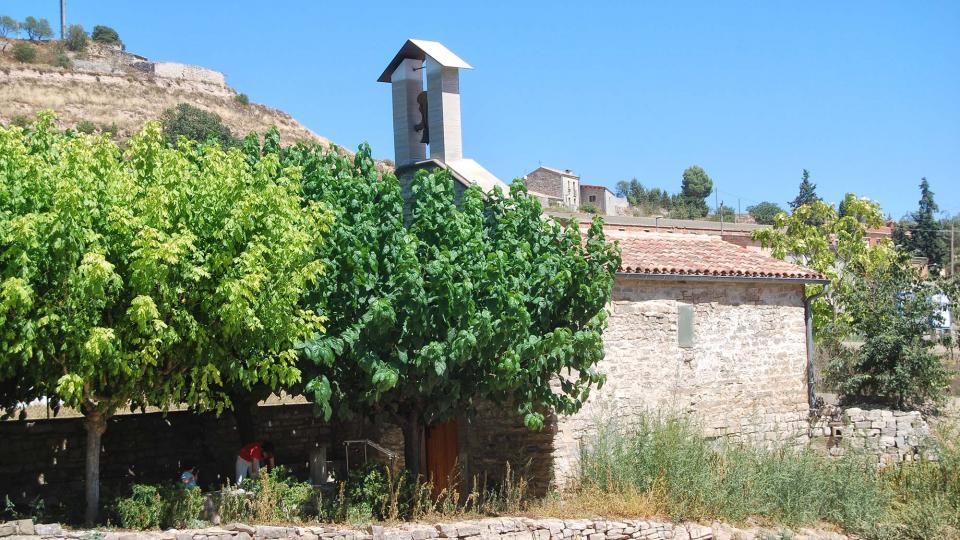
42,74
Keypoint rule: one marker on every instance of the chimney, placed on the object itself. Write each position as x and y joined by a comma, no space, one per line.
431,118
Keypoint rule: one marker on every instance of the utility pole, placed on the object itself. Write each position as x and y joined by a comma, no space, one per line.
953,257
63,20
716,194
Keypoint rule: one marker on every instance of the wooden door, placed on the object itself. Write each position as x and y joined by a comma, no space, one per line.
442,452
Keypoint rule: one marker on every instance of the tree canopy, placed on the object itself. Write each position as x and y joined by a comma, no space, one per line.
105,35
808,192
37,28
695,188
8,26
816,236
923,234
893,308
765,213
481,300
196,124
158,276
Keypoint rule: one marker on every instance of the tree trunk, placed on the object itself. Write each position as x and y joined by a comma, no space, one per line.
96,424
244,413
413,444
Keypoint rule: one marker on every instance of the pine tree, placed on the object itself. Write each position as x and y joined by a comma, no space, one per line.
808,192
924,237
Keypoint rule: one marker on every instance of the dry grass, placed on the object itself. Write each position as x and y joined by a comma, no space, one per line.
126,101
593,502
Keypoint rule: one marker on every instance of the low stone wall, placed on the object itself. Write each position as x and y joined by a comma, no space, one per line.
890,436
174,70
485,529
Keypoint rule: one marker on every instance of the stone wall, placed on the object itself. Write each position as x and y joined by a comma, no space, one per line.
173,70
742,378
886,435
45,458
496,436
545,182
501,528
565,187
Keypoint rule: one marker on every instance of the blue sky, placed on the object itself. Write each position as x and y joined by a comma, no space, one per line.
866,95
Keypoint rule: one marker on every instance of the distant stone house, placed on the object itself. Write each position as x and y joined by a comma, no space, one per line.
555,187
603,199
561,185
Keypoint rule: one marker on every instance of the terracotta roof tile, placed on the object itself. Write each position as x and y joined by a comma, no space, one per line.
700,255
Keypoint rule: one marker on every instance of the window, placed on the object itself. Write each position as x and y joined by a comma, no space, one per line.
593,198
685,331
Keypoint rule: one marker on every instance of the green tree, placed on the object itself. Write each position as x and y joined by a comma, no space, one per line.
923,234
725,212
893,308
695,188
817,237
765,213
37,28
154,277
195,124
76,38
105,35
482,301
8,26
808,192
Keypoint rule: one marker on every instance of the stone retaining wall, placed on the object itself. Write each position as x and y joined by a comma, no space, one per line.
890,436
507,528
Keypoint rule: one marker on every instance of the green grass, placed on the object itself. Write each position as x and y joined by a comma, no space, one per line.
671,470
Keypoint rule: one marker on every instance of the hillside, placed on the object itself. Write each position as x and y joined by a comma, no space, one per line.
118,90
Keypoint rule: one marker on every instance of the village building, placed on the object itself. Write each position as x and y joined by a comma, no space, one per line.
698,326
562,189
601,198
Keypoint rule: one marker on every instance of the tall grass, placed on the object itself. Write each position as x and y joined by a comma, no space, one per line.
927,493
666,464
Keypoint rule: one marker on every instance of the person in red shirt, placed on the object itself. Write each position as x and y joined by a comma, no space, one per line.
250,457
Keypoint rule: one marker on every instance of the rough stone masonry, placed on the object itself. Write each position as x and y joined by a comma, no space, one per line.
506,528
742,377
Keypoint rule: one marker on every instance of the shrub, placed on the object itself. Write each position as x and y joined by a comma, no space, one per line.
20,120
105,35
168,505
182,506
590,208
195,124
242,99
24,52
76,39
893,309
143,509
86,126
62,61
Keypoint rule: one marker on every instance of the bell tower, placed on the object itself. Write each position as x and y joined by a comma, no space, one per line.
425,117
